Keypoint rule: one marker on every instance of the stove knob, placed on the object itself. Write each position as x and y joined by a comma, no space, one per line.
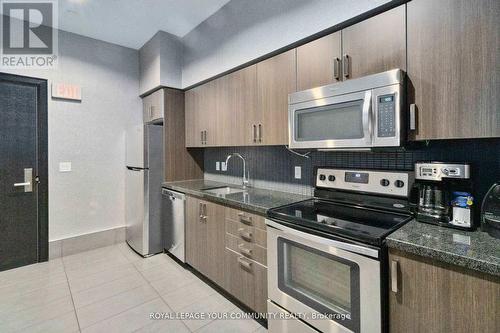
399,183
322,177
331,178
384,182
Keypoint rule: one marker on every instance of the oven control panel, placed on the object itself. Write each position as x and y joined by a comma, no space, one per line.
395,183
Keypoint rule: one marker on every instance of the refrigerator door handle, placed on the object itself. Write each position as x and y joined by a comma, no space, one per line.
135,169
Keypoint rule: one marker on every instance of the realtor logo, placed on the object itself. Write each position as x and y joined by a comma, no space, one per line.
29,34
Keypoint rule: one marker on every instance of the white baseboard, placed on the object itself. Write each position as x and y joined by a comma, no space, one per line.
72,245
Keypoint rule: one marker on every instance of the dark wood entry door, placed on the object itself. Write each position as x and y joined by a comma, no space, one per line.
23,171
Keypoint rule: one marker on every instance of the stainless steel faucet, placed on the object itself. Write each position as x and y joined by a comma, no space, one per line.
245,174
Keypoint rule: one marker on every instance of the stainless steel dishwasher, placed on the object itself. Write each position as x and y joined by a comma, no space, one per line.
174,208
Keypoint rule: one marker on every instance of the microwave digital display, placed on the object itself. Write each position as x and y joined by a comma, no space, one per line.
386,99
356,177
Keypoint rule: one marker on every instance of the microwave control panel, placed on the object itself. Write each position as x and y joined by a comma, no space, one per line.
386,115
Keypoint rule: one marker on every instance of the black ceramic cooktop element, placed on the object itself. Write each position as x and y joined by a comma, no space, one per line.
355,222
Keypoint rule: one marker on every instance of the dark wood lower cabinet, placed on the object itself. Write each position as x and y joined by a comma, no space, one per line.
228,247
437,297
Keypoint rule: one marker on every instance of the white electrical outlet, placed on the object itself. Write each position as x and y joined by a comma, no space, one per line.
64,166
298,172
223,166
217,166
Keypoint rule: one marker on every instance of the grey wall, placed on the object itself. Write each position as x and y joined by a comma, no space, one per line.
161,62
244,30
90,134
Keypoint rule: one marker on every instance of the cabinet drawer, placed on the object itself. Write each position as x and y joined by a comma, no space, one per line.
249,219
246,280
247,249
240,277
247,233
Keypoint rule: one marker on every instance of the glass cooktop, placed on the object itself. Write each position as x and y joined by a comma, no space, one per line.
354,222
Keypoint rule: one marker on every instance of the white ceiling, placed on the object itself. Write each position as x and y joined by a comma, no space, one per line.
131,23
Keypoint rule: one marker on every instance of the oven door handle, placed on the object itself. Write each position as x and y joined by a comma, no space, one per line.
358,249
367,122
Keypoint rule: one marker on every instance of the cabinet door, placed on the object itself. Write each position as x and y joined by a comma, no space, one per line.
146,108
318,62
437,297
196,234
208,113
375,45
201,115
236,98
276,78
453,68
240,278
214,255
192,101
157,105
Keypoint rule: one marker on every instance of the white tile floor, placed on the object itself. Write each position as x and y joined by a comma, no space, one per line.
111,289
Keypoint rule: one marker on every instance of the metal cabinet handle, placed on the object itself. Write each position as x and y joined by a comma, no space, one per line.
201,133
205,131
394,276
336,69
413,117
254,133
347,65
244,250
245,264
200,211
246,220
245,235
260,132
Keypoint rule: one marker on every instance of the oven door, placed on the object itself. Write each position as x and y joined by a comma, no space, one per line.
331,285
332,122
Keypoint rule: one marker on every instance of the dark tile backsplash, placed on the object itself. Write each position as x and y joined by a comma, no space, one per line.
275,164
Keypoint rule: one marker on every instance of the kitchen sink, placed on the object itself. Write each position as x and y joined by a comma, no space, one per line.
223,190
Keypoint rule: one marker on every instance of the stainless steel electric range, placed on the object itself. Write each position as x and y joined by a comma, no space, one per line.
327,256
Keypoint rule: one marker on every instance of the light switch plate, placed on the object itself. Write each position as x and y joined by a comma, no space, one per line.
64,166
217,166
223,166
298,172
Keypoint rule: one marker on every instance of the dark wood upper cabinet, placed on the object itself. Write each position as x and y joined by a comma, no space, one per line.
276,78
453,68
318,62
237,100
375,45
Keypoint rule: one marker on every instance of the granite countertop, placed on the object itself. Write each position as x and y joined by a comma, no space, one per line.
471,249
255,200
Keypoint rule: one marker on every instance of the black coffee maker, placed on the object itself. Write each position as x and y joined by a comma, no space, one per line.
442,195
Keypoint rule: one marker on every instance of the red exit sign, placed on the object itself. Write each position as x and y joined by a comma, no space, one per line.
66,91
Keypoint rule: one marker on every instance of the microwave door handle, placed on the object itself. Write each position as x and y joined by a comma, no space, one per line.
367,126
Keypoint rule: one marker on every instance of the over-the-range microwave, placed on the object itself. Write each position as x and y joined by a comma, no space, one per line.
358,113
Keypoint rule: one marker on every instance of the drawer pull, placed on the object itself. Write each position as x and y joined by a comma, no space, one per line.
245,264
245,235
246,219
244,250
394,276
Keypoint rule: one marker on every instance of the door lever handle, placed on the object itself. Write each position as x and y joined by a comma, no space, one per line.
22,184
28,179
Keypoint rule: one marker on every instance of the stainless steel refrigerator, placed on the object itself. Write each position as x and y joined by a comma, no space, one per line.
144,168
